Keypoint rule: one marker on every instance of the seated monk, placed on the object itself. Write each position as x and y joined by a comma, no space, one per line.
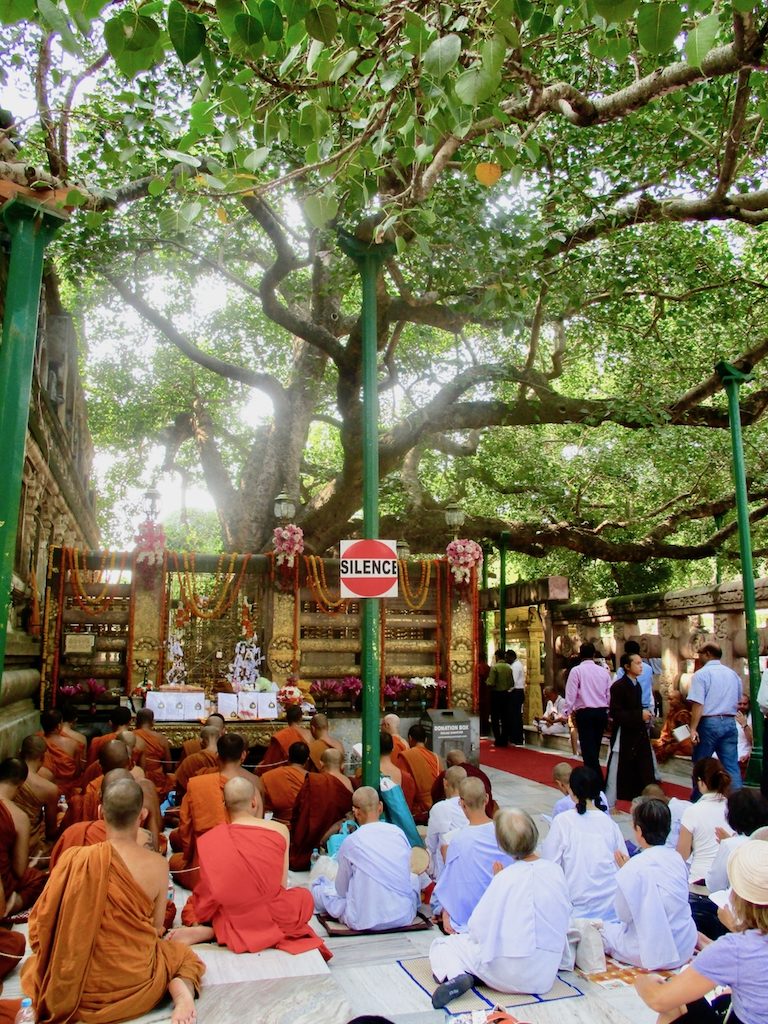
113,754
217,722
374,888
321,740
390,770
156,760
38,798
21,883
323,803
424,766
679,713
97,955
62,755
391,724
258,912
193,764
282,784
293,732
457,758
203,806
68,723
119,719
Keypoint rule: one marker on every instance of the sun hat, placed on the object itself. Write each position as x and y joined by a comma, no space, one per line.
748,872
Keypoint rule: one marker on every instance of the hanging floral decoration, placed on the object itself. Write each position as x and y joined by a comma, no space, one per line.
149,553
463,556
414,599
289,544
81,577
225,589
319,587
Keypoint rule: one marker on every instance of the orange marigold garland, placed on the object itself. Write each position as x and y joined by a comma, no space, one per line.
414,601
319,586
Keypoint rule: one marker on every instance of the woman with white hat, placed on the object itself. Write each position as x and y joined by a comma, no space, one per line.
736,960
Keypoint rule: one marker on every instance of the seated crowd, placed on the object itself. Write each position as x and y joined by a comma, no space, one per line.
82,838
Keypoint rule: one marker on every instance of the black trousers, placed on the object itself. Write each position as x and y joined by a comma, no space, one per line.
701,1012
704,914
516,701
590,725
500,716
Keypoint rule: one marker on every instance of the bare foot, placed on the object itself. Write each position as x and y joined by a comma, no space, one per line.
191,934
184,1011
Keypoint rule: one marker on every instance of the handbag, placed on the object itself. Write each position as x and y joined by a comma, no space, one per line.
334,842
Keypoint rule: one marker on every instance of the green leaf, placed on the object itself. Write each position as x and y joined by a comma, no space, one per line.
235,100
182,158
343,65
320,209
295,10
249,29
271,19
256,158
186,30
701,39
475,86
57,20
157,186
493,52
615,10
227,11
745,6
658,25
322,23
442,54
16,10
140,32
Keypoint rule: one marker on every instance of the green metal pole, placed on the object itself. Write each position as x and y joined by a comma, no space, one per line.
31,227
368,259
503,589
732,378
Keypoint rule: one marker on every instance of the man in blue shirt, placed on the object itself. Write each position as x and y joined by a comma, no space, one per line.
714,696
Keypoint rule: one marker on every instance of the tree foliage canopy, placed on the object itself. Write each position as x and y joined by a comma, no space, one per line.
575,193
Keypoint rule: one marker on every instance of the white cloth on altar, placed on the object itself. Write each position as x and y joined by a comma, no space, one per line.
517,933
656,930
374,887
584,846
445,816
468,871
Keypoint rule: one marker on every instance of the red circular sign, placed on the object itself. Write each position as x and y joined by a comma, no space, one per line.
368,568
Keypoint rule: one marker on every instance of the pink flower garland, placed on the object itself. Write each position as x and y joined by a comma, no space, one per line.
463,556
289,543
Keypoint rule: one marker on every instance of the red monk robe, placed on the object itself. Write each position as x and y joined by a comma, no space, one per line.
256,912
65,769
201,810
316,750
282,785
424,766
154,763
97,956
31,883
322,801
277,751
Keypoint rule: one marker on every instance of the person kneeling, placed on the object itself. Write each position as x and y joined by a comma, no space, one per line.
517,932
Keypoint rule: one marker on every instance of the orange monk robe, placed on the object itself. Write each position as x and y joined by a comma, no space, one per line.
191,747
97,957
154,763
316,750
256,912
322,801
277,751
97,743
26,801
191,766
282,786
31,883
65,769
424,766
398,746
201,810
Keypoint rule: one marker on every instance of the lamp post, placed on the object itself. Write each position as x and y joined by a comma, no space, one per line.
454,517
368,259
403,549
732,379
30,226
151,503
285,508
503,538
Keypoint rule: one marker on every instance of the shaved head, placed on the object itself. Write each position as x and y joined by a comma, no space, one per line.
472,792
114,776
454,757
209,734
332,759
239,794
145,718
366,799
33,748
318,724
114,754
453,778
391,724
562,772
122,803
216,720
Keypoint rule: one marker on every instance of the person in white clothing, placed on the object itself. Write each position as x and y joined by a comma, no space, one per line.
677,808
698,828
589,847
517,933
374,888
655,929
445,816
554,721
744,737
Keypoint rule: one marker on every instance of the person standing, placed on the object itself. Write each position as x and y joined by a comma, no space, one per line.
516,699
500,681
630,765
714,696
587,695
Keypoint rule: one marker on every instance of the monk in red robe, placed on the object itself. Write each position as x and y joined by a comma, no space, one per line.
62,756
119,719
215,720
194,764
456,758
391,724
424,766
321,740
21,883
258,912
277,751
156,755
282,784
94,932
38,797
324,801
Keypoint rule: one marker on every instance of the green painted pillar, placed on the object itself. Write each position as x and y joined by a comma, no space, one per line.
732,379
503,590
368,260
30,226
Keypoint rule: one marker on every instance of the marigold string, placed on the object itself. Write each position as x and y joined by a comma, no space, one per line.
319,586
414,601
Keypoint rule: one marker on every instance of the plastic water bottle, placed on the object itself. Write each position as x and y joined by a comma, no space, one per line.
26,1014
314,858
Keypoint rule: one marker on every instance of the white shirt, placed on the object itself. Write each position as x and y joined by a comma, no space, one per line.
744,746
584,846
717,876
445,816
518,675
701,819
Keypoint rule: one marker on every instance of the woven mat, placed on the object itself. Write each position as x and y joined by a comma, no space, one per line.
335,928
616,971
482,997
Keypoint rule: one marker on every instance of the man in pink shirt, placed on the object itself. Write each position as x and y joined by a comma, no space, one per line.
587,695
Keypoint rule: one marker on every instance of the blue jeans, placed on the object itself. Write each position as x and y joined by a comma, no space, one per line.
718,736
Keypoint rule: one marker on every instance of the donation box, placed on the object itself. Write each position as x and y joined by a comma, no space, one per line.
447,730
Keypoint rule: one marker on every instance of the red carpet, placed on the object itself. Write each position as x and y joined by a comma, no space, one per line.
537,766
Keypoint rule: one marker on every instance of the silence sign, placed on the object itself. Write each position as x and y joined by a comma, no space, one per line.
368,568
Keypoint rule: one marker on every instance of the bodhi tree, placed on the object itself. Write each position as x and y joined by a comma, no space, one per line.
575,197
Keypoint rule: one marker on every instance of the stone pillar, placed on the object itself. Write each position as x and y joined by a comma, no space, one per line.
674,631
146,639
534,645
461,656
623,630
282,653
728,627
